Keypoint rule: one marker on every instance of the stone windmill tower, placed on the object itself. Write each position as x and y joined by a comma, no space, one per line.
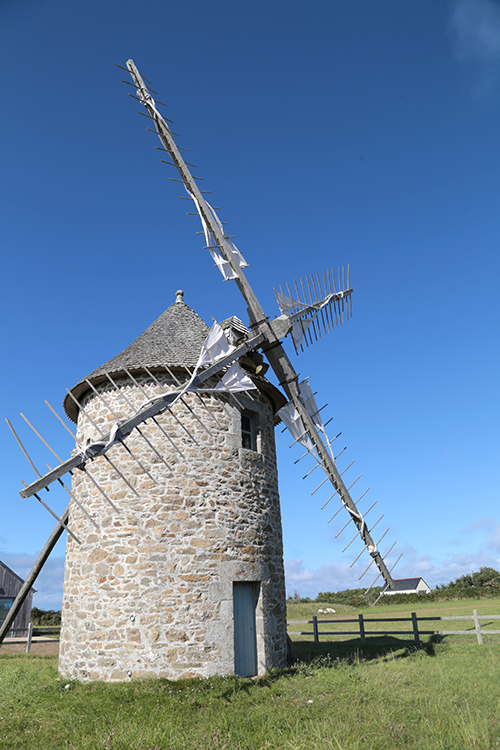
188,578
174,557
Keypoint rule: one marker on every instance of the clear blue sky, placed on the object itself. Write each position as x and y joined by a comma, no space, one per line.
329,133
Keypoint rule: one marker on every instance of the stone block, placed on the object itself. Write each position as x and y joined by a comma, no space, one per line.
171,557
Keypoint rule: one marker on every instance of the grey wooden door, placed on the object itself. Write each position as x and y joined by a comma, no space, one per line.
245,640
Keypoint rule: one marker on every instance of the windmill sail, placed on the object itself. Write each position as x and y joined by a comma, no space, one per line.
231,263
317,304
327,307
120,430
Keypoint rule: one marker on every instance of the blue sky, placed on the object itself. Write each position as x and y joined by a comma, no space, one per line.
329,133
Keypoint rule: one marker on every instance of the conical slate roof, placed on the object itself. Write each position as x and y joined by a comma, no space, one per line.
174,339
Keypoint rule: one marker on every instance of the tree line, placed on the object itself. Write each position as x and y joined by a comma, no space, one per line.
45,617
483,584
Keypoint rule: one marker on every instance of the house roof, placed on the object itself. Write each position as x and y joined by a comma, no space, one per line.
173,340
404,584
21,580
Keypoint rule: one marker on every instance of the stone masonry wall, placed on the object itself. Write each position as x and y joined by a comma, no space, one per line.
150,593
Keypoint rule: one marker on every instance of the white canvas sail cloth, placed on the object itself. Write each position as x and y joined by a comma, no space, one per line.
215,347
235,379
299,328
300,324
287,304
89,451
293,421
223,265
307,397
295,425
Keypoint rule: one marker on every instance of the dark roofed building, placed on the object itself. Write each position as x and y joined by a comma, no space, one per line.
10,585
407,586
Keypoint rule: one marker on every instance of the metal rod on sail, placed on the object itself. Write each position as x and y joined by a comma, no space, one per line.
24,450
276,355
146,440
120,441
76,501
33,574
84,468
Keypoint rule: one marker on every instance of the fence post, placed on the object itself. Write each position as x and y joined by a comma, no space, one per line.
478,626
30,635
361,628
315,629
415,626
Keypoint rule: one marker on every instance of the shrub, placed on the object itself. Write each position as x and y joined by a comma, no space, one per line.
45,617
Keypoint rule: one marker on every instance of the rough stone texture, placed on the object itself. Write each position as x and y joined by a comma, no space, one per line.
151,592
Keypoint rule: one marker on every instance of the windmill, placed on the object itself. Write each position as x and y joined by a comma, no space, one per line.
129,406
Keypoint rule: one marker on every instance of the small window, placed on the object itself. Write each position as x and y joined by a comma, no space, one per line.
6,603
248,440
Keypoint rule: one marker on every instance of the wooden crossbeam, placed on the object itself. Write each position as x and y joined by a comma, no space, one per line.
149,411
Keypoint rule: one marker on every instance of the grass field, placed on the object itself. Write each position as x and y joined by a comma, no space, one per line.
441,696
298,611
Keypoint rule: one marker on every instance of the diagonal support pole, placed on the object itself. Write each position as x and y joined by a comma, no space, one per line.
33,575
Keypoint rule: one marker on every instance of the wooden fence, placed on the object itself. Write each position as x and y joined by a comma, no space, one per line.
32,631
21,633
415,632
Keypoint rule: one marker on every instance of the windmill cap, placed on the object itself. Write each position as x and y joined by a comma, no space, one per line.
173,340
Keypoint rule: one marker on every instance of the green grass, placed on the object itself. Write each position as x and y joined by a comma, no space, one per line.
438,697
299,611
385,694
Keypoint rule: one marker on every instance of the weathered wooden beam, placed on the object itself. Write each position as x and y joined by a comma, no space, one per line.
149,411
272,331
477,625
33,575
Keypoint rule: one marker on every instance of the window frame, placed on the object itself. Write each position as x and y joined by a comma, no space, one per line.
249,434
4,599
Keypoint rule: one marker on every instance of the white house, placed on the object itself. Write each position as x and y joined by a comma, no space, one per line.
407,586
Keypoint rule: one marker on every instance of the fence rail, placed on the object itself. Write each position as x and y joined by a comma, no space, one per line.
416,632
21,633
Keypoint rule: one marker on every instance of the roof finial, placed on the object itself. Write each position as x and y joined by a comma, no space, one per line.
179,295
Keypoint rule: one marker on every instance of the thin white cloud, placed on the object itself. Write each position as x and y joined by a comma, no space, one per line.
493,540
475,27
444,569
330,577
337,576
476,24
490,540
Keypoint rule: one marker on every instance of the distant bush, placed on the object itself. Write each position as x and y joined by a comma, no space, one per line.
45,617
351,597
392,599
481,585
484,583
